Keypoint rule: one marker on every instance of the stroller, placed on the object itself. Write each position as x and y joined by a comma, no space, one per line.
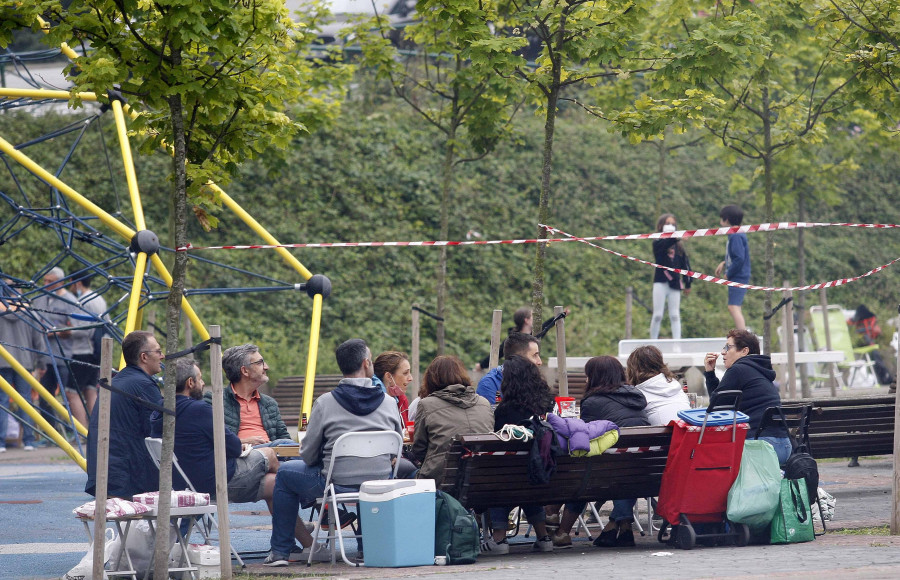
703,462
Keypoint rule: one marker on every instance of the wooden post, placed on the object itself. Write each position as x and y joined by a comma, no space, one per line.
562,377
415,353
215,372
832,376
495,339
895,497
629,301
789,345
102,474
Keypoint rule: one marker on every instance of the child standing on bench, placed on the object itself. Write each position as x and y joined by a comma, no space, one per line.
736,266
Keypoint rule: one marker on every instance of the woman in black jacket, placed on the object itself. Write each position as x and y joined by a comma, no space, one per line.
751,373
667,285
608,397
525,395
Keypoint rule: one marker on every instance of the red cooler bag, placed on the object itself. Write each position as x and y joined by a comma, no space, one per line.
699,472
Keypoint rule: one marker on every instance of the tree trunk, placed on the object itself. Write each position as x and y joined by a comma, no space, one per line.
446,187
173,320
537,288
770,217
661,150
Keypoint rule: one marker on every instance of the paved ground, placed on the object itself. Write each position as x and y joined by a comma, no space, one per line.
39,537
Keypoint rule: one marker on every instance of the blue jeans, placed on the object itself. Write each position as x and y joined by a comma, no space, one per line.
623,509
24,389
782,447
533,513
296,484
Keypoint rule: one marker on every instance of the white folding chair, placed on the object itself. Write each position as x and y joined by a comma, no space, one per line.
362,444
205,524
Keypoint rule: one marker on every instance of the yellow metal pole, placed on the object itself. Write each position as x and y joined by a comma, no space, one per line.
185,305
39,171
48,429
44,393
66,49
137,283
128,162
309,380
261,231
9,93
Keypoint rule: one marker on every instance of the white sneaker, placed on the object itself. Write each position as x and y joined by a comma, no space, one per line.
492,548
562,541
28,448
544,544
2,449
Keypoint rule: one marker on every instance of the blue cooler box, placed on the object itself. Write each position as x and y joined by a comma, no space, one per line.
397,518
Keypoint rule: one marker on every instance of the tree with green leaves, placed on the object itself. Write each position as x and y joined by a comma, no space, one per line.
581,42
774,79
445,73
214,82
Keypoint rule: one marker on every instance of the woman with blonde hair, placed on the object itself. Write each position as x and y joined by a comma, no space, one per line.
665,396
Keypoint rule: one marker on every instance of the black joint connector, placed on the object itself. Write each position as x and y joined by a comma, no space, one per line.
144,241
318,284
115,95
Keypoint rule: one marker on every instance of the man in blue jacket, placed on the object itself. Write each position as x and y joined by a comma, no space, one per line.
517,343
251,477
131,470
736,265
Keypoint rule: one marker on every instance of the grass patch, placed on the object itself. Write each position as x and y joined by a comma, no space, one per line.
875,531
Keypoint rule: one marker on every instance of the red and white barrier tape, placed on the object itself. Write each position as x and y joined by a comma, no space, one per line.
617,450
769,227
722,281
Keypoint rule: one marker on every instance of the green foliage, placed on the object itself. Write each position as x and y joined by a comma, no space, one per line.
372,176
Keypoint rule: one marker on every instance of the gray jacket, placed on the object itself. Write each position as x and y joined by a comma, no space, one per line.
354,405
16,330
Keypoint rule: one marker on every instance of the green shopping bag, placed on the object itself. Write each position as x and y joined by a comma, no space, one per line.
754,496
793,521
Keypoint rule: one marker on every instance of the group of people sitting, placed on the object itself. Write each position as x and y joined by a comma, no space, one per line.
371,397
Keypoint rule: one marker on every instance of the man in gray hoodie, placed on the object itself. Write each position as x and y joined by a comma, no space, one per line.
354,405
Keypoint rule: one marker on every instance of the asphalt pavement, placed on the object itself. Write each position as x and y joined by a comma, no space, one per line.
40,538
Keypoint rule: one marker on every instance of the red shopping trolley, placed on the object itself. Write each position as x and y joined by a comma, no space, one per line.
703,462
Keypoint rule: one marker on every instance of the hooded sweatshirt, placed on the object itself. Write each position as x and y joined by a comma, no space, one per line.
624,407
664,399
354,405
753,375
454,410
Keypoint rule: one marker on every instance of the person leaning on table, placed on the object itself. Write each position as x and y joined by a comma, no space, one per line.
751,373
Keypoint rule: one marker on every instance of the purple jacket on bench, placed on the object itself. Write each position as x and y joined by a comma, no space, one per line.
575,435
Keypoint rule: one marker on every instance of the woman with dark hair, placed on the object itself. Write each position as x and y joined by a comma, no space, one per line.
667,285
647,371
751,373
525,394
448,408
393,373
608,397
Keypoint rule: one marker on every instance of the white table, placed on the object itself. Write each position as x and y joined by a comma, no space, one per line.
676,360
184,565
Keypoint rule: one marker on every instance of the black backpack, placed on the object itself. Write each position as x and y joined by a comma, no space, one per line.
800,464
456,533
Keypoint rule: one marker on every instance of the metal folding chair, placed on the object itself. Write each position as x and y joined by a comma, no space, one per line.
362,444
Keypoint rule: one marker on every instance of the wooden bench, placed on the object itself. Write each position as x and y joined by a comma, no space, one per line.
844,427
289,394
483,471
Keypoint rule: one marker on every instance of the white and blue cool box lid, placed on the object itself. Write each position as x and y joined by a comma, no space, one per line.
695,417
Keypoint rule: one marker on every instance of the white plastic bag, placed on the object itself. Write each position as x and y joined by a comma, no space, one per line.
140,546
84,568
